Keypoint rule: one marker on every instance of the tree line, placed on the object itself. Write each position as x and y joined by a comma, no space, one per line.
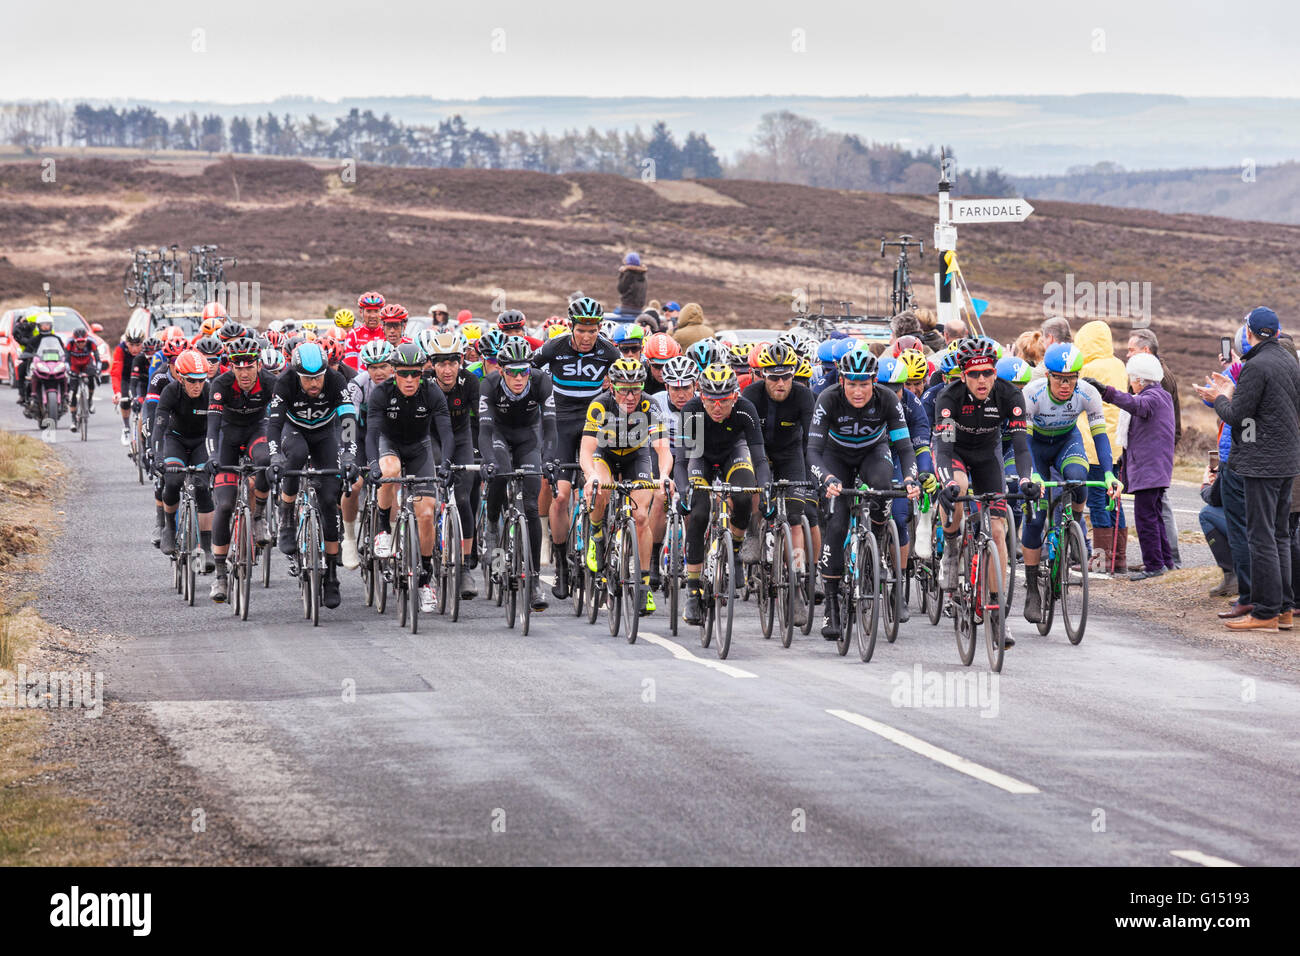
786,148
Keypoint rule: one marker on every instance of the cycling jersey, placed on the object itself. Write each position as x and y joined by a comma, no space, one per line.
178,413
967,432
577,377
462,403
851,433
786,424
1052,421
83,359
358,337
236,409
509,424
139,375
121,368
407,420
671,416
290,405
622,433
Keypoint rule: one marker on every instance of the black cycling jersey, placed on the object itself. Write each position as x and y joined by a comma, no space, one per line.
577,376
231,405
849,433
786,424
622,433
462,401
180,414
972,431
507,420
291,405
407,420
138,376
714,442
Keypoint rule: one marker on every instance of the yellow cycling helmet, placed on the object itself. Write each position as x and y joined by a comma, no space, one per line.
778,355
556,330
718,381
804,371
344,318
914,361
311,325
472,331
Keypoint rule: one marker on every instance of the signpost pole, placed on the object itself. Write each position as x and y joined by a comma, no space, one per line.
945,242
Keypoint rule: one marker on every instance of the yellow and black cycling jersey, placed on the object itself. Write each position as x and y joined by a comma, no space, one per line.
619,433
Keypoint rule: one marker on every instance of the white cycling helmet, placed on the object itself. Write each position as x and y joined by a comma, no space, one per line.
137,327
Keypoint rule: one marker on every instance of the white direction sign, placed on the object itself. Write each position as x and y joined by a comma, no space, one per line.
990,210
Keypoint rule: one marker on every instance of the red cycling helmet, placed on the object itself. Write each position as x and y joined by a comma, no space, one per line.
370,300
173,347
393,313
660,347
904,343
214,310
191,365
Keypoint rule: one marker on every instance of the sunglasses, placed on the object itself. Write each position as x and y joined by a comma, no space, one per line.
629,388
631,351
516,372
409,372
718,400
779,376
242,362
982,373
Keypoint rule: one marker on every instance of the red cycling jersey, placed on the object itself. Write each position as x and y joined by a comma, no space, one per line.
358,337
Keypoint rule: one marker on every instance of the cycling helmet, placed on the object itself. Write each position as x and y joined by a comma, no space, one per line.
443,345
172,332
628,334
408,355
370,300
472,332
976,351
997,346
607,328
310,325
553,322
1014,370
858,365
718,380
137,327
214,310
378,352
915,362
843,347
425,340
275,325
514,352
211,346
585,311
272,360
80,332
790,338
555,331
511,320
231,330
210,326
1063,358
948,366
333,349
309,359
826,351
626,371
191,365
755,352
344,318
493,343
274,337
804,372
172,348
151,345
681,370
738,356
393,313
289,326
903,343
891,371
244,345
705,352
779,358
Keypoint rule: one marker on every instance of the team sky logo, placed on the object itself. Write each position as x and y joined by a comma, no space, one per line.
855,429
584,370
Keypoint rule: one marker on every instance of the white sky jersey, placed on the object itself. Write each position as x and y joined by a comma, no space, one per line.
1049,418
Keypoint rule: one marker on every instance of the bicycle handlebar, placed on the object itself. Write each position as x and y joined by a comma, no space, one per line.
309,473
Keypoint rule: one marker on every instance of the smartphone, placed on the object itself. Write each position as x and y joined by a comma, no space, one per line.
1214,460
1225,349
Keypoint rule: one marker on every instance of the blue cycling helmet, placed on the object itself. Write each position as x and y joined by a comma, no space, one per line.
706,352
891,371
628,331
309,359
948,362
858,365
826,351
1063,358
843,347
1014,370
492,343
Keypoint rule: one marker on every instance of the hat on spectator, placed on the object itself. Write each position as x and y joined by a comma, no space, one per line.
438,307
1145,366
463,316
1263,322
672,307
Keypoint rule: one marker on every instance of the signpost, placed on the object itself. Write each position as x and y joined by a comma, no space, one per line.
990,210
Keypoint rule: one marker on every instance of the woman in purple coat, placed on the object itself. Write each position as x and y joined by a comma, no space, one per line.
1149,457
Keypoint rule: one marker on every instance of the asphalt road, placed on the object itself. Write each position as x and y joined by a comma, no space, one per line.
471,744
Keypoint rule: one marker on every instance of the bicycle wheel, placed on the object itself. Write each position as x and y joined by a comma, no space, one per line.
995,619
273,524
867,586
412,561
783,586
612,587
453,562
891,581
761,573
365,533
129,290
1050,587
579,528
524,575
1010,570
311,577
83,411
724,598
137,447
809,577
1074,587
708,575
244,563
630,576
507,589
676,569
191,547
397,569
847,617
963,602
381,584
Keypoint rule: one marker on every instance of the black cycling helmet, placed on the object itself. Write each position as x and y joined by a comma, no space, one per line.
585,311
976,351
230,331
511,319
515,352
244,345
210,346
408,355
152,344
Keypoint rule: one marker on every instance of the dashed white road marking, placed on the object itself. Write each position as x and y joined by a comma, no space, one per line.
682,654
937,754
1196,856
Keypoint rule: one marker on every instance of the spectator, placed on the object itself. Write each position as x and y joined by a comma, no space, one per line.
1214,525
1149,456
1264,410
1029,346
1055,329
1109,528
953,330
1140,342
670,313
654,306
930,334
438,315
905,323
690,326
1232,492
631,286
649,319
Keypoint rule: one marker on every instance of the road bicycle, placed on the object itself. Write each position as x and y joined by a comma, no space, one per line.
872,583
137,281
900,296
447,557
511,568
718,576
189,551
575,542
136,451
618,583
241,559
780,587
980,577
673,558
925,570
1064,579
404,566
170,273
372,572
81,408
309,561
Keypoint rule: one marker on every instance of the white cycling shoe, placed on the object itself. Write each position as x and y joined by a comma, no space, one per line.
126,438
383,545
428,602
351,559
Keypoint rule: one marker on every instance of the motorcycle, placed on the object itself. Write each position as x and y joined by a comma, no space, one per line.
47,388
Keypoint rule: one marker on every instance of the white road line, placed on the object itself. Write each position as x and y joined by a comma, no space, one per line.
682,654
937,754
1196,856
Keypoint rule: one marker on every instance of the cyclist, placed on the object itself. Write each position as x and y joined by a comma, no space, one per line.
461,389
137,378
555,325
344,320
679,376
394,317
622,434
629,338
83,361
516,412
967,442
738,359
309,416
179,433
785,410
1053,405
122,365
369,305
656,352
576,365
210,347
725,437
472,333
236,426
409,433
918,369
376,362
513,322
855,427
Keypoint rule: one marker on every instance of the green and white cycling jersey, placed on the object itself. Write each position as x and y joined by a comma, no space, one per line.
1049,418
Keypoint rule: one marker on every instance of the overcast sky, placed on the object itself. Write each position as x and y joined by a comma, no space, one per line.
253,51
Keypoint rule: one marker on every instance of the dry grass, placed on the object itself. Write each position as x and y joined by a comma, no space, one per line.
22,458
